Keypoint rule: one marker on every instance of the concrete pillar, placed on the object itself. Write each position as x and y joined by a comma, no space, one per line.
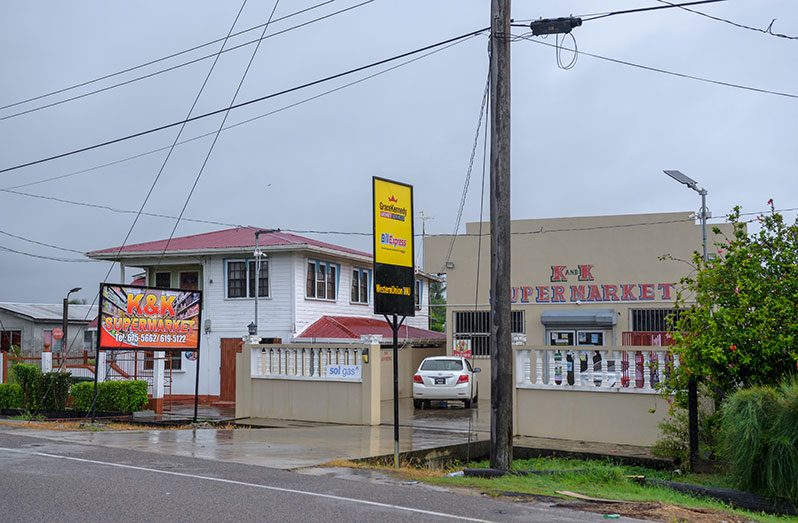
102,358
372,385
158,382
47,361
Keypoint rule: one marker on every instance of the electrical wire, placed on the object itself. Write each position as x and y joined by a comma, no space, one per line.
768,30
482,112
160,171
558,52
178,66
155,61
246,103
643,9
216,136
43,257
243,122
663,71
65,249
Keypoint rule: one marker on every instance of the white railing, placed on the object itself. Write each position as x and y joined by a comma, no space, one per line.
303,362
619,369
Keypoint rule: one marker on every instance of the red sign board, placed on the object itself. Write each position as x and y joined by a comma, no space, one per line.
58,334
133,317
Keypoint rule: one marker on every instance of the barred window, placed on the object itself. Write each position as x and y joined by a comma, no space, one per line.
475,326
654,320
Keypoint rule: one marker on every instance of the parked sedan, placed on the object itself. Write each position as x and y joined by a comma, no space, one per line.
445,378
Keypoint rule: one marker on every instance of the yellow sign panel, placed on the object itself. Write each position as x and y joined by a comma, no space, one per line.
393,223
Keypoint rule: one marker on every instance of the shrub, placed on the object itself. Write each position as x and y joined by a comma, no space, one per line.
10,396
759,431
27,376
112,396
53,390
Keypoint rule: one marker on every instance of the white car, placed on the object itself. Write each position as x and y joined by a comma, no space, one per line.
445,378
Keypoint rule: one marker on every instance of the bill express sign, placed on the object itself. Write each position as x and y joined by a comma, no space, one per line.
394,273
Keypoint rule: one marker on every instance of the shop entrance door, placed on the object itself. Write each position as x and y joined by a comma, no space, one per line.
227,375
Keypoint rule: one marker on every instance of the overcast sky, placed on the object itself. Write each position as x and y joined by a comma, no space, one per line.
587,141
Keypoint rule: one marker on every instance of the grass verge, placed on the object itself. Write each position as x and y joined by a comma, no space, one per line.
601,480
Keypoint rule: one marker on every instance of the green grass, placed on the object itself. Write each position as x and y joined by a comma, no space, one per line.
602,480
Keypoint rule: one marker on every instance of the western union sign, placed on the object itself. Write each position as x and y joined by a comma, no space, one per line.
394,271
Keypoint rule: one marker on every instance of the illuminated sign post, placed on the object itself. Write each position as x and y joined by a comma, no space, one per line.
132,317
394,270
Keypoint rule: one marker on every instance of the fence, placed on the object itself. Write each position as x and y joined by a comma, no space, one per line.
331,383
628,369
306,362
558,390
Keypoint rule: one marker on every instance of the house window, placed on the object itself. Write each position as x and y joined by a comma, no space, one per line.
241,279
360,285
417,298
172,360
189,280
163,280
88,341
10,339
322,280
654,320
475,326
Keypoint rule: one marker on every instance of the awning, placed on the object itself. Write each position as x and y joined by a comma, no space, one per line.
579,318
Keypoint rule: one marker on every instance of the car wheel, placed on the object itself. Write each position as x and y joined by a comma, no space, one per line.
467,404
417,404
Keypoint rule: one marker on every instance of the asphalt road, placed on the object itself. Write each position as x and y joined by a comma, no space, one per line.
46,480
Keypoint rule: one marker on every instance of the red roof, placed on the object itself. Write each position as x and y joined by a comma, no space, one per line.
352,328
240,237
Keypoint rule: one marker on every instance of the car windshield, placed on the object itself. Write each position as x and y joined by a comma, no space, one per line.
442,365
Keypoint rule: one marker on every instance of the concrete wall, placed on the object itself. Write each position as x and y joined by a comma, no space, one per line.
409,360
356,403
608,417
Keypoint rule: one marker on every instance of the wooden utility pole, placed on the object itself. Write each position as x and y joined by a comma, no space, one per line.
501,357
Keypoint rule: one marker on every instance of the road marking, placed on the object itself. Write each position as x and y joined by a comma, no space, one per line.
245,484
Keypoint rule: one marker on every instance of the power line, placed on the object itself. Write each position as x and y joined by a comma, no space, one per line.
248,102
482,113
155,61
43,257
768,30
642,9
243,122
218,131
40,243
659,70
177,66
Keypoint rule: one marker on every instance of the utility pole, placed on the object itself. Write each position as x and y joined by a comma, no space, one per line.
501,357
423,217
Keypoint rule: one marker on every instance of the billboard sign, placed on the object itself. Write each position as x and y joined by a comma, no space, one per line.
394,271
146,318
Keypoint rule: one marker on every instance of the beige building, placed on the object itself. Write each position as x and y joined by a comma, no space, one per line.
594,290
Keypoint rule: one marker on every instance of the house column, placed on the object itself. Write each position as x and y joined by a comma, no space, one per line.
158,381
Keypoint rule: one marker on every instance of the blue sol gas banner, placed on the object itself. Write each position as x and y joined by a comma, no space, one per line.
394,271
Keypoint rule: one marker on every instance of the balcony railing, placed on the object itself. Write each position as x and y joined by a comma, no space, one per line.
301,362
619,369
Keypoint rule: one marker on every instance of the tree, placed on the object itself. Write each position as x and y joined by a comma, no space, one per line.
437,310
741,328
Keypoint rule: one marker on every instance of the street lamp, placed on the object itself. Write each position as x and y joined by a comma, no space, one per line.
65,323
692,384
686,180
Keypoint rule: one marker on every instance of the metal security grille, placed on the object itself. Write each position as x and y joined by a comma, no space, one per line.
654,320
475,326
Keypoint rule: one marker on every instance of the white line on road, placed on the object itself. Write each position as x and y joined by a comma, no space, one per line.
245,484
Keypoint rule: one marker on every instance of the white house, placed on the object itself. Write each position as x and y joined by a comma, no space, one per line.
301,281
